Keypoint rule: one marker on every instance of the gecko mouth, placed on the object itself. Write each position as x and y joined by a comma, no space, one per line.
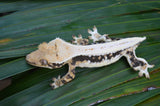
33,63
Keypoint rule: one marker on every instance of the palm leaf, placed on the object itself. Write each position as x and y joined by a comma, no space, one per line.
25,24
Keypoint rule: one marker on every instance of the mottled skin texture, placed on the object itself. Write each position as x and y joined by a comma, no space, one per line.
43,57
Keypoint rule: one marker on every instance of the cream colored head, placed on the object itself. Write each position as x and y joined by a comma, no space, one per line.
38,57
51,55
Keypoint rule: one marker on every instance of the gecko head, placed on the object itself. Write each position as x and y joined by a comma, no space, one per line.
44,56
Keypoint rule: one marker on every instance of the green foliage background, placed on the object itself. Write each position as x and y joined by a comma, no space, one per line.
25,24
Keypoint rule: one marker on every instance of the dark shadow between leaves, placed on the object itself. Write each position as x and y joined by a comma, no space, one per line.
7,13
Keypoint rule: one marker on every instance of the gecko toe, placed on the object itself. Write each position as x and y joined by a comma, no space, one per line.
52,85
151,66
80,40
145,73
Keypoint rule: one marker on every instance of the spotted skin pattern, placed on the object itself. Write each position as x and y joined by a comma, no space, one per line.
93,60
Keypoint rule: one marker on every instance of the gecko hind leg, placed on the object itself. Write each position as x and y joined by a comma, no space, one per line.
137,63
79,40
65,79
96,37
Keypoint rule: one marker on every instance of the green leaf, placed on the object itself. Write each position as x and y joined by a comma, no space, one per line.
14,67
134,99
152,101
25,24
134,86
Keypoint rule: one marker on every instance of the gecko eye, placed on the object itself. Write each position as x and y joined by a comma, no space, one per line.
43,62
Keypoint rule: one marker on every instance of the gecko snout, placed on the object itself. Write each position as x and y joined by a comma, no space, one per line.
28,57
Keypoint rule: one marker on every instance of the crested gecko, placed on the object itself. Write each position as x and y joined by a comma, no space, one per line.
103,51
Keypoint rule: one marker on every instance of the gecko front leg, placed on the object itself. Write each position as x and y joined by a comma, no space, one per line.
65,79
80,41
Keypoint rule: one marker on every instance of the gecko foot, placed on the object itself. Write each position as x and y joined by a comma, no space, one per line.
145,72
57,83
137,63
96,37
79,40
